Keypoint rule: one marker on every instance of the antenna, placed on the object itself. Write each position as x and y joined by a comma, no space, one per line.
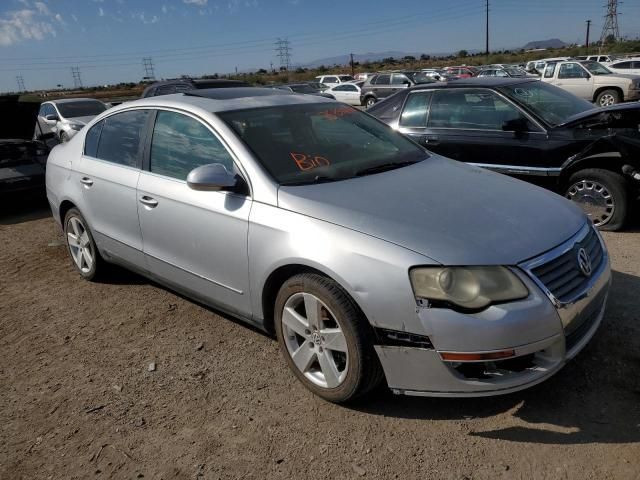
610,27
283,49
149,73
77,81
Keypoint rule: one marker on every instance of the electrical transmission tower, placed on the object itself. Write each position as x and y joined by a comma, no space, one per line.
20,81
283,49
77,81
147,63
610,27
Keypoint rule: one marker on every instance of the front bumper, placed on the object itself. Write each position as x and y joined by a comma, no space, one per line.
542,333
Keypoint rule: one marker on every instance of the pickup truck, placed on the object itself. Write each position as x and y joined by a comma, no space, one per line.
593,82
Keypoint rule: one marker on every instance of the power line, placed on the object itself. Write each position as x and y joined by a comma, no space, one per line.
610,26
149,73
20,81
283,49
77,81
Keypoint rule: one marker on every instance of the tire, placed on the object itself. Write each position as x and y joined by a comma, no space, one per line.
369,102
341,343
64,137
607,97
602,194
84,254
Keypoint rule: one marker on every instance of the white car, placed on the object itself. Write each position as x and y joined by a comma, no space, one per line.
346,92
629,66
333,80
66,117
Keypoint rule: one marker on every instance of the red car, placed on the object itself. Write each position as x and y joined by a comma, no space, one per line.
461,72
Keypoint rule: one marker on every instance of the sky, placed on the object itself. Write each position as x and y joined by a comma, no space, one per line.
107,39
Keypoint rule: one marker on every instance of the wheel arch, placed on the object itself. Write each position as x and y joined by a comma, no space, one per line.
611,161
602,89
65,206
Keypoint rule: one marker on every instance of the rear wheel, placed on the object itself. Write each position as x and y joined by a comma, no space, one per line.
369,102
325,339
607,97
603,196
82,248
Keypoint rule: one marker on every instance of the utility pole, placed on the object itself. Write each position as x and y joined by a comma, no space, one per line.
610,27
149,72
587,42
77,81
353,72
283,49
20,81
271,63
486,49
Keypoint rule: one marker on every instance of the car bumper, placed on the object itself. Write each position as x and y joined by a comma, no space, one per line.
542,336
633,94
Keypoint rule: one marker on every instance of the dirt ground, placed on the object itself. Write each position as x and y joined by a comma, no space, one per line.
77,399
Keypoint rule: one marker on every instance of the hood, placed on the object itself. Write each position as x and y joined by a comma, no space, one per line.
451,212
606,78
621,111
81,120
18,119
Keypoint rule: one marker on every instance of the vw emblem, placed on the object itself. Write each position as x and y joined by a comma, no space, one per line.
584,262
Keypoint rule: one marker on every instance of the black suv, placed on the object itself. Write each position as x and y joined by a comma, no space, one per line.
531,130
167,87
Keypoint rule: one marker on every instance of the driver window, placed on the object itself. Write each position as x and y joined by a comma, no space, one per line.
181,143
571,70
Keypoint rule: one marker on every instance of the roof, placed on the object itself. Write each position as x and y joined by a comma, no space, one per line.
223,99
490,82
72,100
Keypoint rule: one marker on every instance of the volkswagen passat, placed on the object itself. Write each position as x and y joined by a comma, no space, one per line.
370,258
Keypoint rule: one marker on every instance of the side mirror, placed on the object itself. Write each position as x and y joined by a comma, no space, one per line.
518,125
212,177
51,119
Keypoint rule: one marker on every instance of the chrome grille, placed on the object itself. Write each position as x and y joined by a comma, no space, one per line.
562,275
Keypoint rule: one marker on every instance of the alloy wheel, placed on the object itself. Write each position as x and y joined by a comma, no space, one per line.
80,245
607,99
314,340
594,198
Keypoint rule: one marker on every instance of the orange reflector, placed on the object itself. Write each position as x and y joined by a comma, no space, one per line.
476,357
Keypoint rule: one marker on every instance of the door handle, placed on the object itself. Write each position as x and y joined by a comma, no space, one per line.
86,181
149,202
431,139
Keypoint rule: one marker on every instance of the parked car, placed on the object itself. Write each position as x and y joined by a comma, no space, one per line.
348,92
65,117
318,222
305,88
593,82
626,66
503,72
460,72
22,159
531,130
603,58
538,66
362,76
167,87
333,80
381,86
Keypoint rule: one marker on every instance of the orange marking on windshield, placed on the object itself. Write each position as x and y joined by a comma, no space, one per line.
309,162
335,113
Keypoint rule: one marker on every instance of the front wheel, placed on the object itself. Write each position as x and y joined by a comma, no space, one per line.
325,339
369,102
607,98
603,196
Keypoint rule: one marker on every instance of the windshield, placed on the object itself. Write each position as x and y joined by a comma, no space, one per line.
551,104
422,77
310,143
346,78
596,68
515,72
88,108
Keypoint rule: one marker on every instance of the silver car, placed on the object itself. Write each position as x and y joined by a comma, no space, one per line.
66,117
371,259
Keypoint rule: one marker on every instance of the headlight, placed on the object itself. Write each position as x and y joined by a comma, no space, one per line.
467,287
76,126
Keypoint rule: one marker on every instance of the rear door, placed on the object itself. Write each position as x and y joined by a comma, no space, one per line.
109,171
193,240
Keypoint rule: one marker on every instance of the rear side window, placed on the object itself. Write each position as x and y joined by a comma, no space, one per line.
181,143
120,138
330,80
624,65
91,140
383,80
416,110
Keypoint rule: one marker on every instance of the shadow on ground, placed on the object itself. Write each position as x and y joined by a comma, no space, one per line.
23,207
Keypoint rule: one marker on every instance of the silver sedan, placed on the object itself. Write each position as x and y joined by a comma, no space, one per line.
371,259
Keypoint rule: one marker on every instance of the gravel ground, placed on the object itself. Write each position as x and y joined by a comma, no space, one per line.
78,399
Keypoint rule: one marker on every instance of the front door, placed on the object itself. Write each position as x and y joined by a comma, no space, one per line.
108,172
193,240
573,78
